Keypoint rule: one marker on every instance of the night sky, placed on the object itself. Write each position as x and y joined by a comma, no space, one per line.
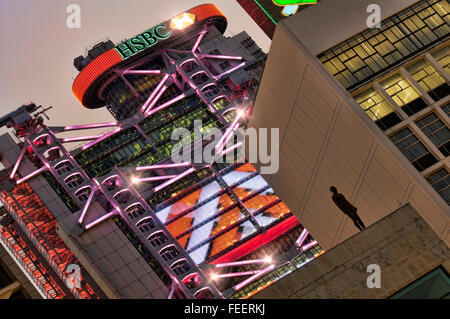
37,47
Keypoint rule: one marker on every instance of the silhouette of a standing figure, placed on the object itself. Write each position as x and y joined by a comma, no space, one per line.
348,209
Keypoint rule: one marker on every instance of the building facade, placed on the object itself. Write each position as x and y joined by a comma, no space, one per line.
360,109
413,260
117,217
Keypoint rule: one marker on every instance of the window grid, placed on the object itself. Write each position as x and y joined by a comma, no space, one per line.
413,149
443,58
440,181
375,50
429,79
377,108
436,131
404,94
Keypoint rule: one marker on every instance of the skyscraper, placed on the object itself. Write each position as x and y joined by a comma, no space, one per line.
118,210
360,109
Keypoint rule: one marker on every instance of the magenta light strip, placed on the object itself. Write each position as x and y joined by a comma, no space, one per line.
253,278
221,144
142,72
155,100
36,172
172,291
155,178
88,203
88,126
173,180
168,103
162,166
101,219
241,263
80,138
229,136
224,57
301,238
104,137
308,246
229,71
19,160
200,38
228,150
238,274
150,98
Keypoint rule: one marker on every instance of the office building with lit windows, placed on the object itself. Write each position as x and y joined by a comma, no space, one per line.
364,110
117,210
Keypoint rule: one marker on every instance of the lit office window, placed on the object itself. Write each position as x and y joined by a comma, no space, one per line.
443,58
413,149
429,79
373,51
381,112
440,181
403,94
436,131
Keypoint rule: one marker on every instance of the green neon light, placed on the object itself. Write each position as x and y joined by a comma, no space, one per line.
265,11
293,2
284,3
143,41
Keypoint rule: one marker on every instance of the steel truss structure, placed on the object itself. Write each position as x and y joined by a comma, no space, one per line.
185,243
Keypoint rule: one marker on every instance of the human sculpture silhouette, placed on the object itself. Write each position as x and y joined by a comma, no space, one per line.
348,209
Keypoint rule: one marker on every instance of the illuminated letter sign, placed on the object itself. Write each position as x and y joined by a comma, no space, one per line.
143,41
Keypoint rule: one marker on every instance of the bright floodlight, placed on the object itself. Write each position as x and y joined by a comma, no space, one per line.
135,180
268,260
182,21
240,112
214,276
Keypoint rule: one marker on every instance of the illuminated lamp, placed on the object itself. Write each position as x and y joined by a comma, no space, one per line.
182,21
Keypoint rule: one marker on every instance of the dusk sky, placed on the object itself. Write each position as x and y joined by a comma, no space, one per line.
37,48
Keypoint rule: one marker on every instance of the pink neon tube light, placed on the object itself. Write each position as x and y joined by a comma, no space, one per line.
155,178
80,138
238,274
36,172
230,71
101,219
142,72
224,57
173,180
308,246
88,126
253,278
104,137
200,38
19,160
162,166
241,263
228,150
88,203
156,99
150,98
168,103
301,238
